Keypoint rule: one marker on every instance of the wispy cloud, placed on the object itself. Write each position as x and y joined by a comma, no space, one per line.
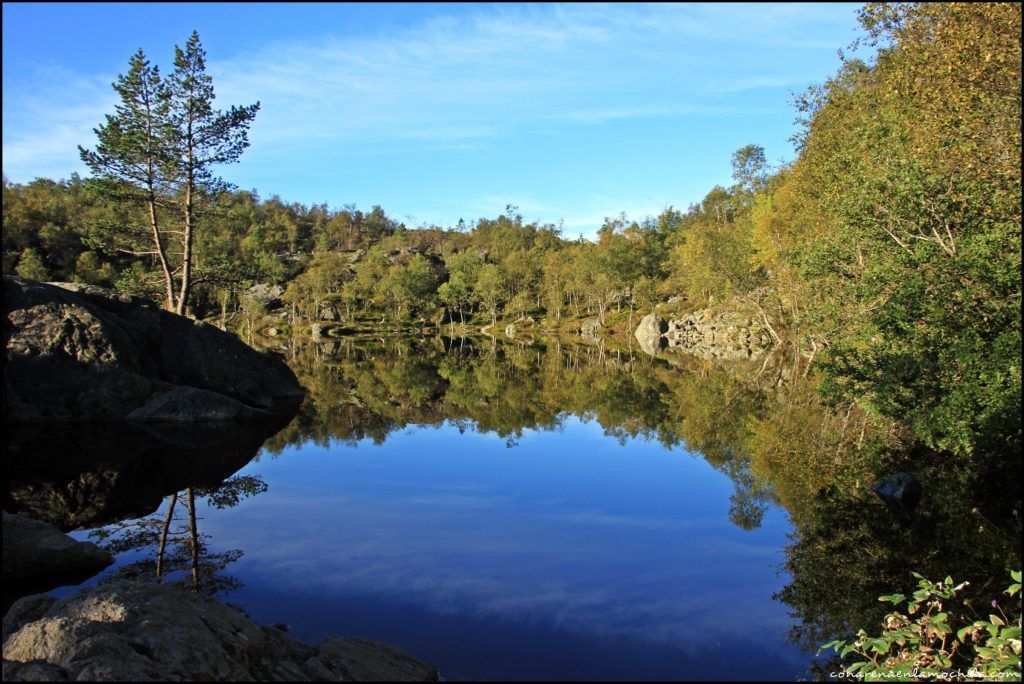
41,137
462,85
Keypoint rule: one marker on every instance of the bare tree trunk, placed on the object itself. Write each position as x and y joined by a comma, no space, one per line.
163,535
764,317
186,259
224,309
193,537
155,226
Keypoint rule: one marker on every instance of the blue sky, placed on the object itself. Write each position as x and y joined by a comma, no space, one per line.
439,112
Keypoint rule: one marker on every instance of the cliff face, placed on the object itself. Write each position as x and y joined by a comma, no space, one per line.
81,353
727,336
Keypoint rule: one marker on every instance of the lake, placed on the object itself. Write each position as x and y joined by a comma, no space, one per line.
514,511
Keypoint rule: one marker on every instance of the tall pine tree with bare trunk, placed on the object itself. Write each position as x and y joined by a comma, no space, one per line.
160,149
131,163
203,139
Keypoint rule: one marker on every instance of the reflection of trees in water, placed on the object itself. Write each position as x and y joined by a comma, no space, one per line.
173,548
777,441
359,389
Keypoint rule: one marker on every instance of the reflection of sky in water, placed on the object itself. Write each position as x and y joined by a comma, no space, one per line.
567,556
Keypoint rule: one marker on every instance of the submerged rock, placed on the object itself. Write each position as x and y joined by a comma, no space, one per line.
900,491
81,353
32,549
145,631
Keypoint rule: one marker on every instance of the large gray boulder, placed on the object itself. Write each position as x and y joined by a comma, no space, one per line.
649,333
266,294
32,549
82,353
141,631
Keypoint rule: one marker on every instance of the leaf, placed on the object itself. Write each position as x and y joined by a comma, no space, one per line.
996,620
961,633
893,598
1015,574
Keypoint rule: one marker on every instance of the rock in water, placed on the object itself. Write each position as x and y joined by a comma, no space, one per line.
145,631
82,353
901,491
716,337
650,334
33,549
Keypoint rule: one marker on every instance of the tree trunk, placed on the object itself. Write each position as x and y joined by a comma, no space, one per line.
193,537
163,535
168,278
186,259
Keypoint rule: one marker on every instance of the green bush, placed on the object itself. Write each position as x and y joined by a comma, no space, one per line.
939,635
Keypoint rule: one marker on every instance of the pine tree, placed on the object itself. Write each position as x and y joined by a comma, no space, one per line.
159,150
203,138
131,161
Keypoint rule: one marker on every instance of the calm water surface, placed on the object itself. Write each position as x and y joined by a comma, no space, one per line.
508,511
567,554
566,550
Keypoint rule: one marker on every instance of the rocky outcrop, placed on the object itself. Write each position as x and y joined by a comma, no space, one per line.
141,631
33,549
726,336
266,294
82,353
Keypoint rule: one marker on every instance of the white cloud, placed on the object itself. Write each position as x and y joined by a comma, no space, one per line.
460,84
40,137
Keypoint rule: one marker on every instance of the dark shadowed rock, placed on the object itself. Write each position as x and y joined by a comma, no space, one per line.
33,672
82,353
32,548
145,631
189,403
900,491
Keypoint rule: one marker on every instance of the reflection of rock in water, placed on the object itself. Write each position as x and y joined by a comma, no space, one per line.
90,475
728,336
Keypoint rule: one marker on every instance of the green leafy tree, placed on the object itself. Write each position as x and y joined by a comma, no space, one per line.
30,265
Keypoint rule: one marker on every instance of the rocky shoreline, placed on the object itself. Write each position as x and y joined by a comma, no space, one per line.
80,353
144,631
111,404
713,336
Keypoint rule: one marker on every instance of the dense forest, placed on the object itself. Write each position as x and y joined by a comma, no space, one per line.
885,258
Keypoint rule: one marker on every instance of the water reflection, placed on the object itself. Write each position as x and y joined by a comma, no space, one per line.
548,509
169,547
